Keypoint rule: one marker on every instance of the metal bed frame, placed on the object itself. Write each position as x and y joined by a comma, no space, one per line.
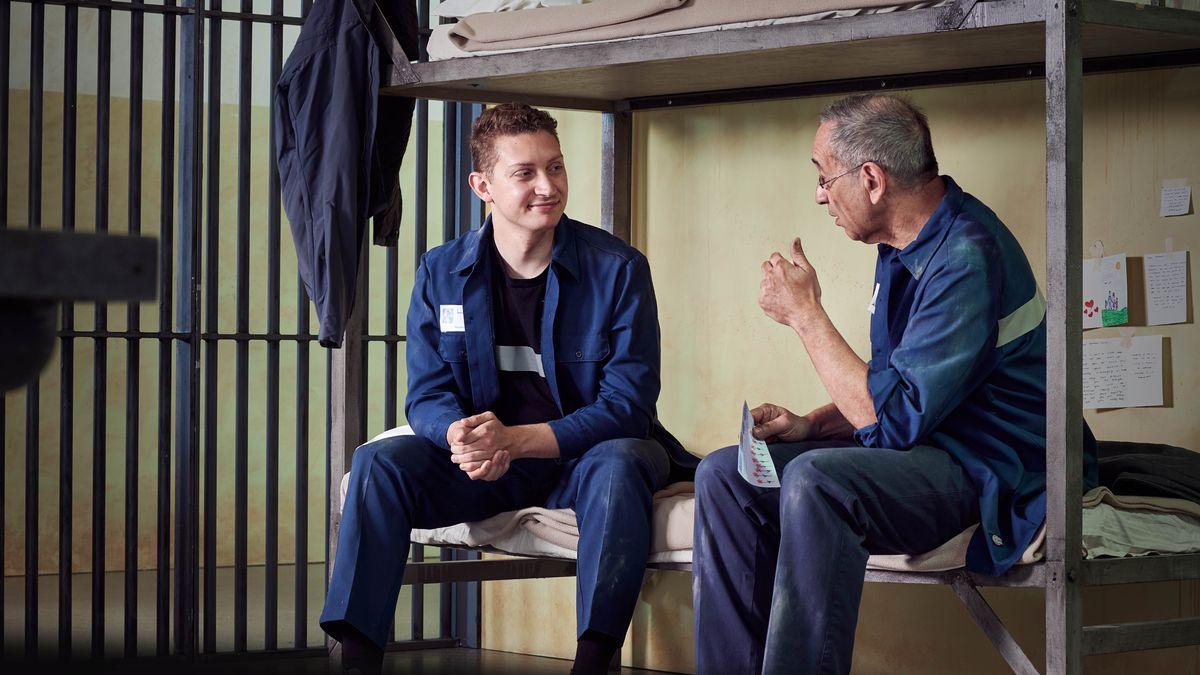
965,41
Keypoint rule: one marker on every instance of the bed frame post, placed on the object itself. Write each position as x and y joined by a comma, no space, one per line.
347,405
1064,234
616,169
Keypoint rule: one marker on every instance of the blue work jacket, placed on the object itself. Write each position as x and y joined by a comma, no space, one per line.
958,362
599,350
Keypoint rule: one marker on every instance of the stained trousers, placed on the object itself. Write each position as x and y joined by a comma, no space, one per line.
778,573
405,482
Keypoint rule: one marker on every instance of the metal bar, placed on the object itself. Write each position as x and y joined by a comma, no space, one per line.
492,569
449,171
420,233
1064,460
346,405
992,626
616,174
171,10
445,599
132,353
5,41
389,358
302,431
100,357
212,364
467,626
66,416
274,222
1128,637
32,392
242,349
187,467
165,312
470,209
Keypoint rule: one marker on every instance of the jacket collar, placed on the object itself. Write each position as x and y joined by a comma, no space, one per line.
916,256
564,255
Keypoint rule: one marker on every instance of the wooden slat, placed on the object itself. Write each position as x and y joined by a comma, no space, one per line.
1141,570
1128,637
991,625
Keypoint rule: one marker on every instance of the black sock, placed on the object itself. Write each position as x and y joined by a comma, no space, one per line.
359,651
593,653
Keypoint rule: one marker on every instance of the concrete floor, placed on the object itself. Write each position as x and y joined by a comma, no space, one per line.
425,662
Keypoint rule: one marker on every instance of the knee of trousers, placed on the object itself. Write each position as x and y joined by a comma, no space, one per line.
623,458
811,480
718,469
402,458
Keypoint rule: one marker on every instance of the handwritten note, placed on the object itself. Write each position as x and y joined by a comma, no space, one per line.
1118,376
1105,291
1174,200
754,460
1166,288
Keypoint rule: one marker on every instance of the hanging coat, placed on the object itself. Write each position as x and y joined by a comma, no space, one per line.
338,147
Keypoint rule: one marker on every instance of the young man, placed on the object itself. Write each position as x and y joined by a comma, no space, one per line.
533,373
942,428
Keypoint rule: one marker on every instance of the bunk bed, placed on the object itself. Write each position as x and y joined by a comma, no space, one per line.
952,42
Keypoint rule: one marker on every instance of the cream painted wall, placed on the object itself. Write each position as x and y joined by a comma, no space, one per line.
718,188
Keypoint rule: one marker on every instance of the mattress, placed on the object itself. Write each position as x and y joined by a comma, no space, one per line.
1113,526
444,45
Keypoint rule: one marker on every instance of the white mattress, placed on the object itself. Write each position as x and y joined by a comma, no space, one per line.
440,47
1113,526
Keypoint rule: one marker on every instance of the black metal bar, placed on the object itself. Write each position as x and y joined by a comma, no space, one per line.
100,354
5,41
187,466
32,393
172,10
301,575
132,347
165,312
66,416
211,363
449,172
328,458
421,229
242,349
274,222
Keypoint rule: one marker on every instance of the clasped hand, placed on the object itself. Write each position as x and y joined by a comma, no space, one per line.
481,445
789,289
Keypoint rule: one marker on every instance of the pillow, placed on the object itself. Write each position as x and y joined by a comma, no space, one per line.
456,9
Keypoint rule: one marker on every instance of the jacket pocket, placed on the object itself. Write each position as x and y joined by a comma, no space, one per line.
581,348
453,347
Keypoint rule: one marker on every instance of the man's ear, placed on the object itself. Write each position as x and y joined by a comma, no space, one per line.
875,180
479,185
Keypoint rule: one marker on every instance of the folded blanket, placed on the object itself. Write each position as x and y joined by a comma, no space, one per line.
614,19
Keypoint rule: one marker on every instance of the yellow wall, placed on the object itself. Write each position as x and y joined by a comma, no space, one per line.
718,188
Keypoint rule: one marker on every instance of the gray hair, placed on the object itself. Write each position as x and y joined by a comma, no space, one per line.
888,130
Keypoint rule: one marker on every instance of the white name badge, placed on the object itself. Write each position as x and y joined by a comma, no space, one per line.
452,319
874,297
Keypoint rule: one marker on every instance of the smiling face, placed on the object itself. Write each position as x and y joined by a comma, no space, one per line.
845,197
527,184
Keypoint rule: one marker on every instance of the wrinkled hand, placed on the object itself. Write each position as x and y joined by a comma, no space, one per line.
774,423
480,446
789,290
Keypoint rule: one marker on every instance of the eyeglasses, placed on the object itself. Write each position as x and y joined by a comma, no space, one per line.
824,183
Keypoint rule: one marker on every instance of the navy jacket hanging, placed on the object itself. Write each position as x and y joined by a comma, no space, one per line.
338,146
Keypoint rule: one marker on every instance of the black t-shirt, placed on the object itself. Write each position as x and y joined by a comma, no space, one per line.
517,305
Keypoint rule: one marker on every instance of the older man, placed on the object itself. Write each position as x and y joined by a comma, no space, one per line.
942,428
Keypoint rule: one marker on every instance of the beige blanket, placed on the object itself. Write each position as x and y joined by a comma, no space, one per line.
614,19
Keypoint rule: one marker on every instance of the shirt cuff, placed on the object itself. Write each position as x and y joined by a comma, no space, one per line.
570,438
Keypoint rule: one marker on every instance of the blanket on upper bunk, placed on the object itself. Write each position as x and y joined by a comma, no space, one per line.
614,19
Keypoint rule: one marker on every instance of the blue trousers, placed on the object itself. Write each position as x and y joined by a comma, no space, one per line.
778,573
406,482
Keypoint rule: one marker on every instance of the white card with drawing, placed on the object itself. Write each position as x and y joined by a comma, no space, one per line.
754,460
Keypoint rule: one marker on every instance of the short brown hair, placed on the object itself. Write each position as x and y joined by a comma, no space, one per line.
508,119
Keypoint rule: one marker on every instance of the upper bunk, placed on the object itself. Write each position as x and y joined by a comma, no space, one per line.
960,40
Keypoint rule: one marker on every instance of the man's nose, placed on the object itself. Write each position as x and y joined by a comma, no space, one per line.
822,196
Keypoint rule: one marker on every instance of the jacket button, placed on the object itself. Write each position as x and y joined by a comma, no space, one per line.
578,354
997,540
